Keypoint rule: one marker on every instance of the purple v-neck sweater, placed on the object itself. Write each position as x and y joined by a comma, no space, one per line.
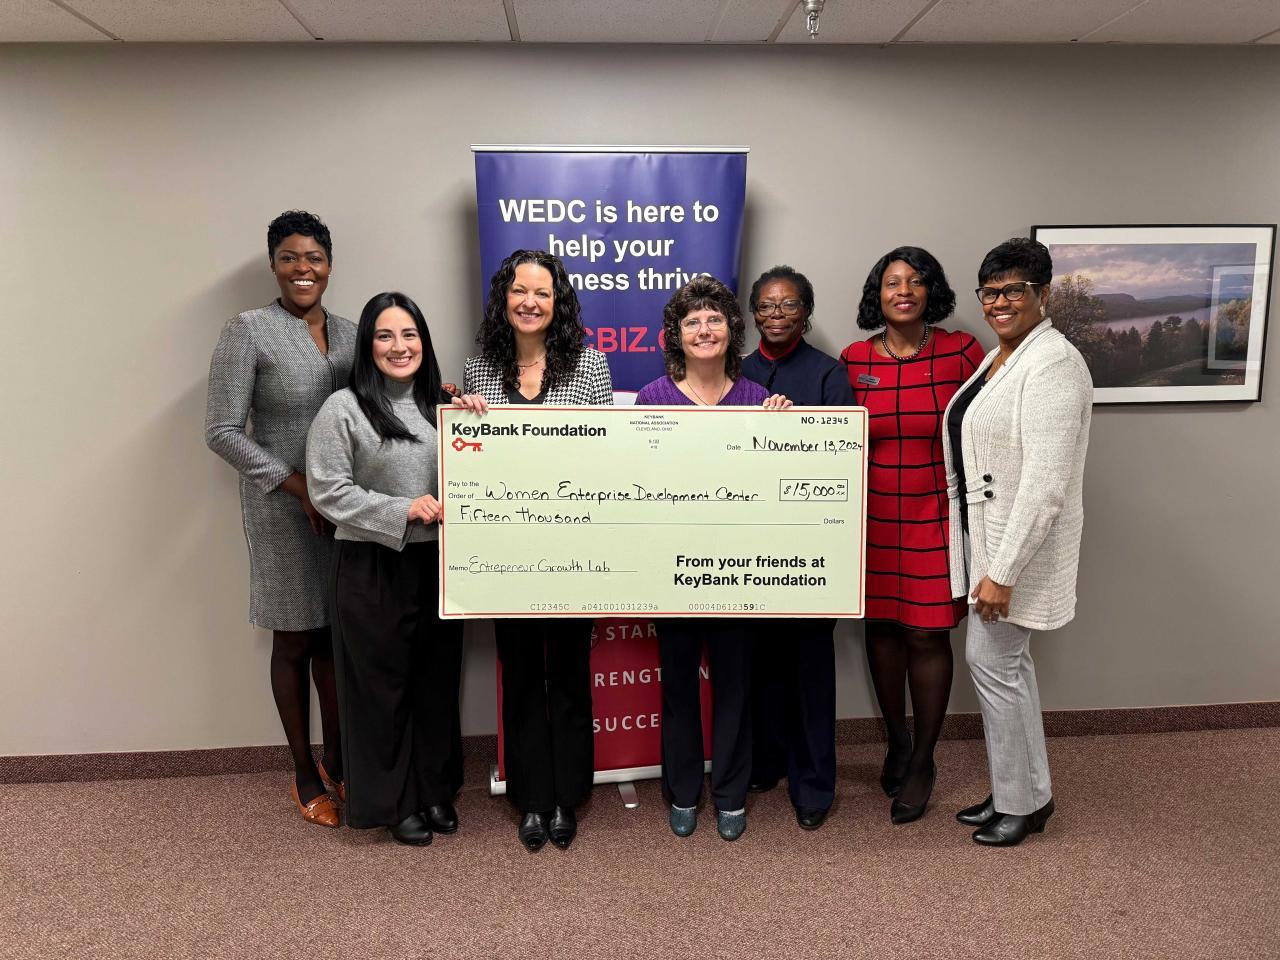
664,393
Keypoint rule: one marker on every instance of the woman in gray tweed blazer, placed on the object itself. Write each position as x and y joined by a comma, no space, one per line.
532,352
272,369
1014,446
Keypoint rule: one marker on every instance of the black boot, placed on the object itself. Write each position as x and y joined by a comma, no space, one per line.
533,831
563,827
1009,830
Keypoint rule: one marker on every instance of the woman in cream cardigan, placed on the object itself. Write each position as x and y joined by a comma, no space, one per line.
1015,444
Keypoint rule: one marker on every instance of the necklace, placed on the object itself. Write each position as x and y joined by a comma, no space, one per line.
532,363
724,388
884,342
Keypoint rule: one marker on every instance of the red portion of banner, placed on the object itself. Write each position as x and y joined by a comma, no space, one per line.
626,695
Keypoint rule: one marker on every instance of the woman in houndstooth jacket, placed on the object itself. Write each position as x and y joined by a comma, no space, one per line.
532,352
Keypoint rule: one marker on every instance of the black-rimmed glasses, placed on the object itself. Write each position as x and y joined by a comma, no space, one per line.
1013,292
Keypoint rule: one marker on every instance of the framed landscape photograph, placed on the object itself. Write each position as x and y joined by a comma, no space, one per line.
1173,313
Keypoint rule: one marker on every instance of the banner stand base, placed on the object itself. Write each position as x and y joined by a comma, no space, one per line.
625,779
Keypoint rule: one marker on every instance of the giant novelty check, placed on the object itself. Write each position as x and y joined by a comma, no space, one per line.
653,512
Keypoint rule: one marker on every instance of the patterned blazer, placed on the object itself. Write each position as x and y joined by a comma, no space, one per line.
589,385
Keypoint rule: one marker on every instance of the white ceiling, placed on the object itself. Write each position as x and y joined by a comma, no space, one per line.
644,21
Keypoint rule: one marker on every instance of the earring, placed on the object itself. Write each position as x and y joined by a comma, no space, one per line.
1042,311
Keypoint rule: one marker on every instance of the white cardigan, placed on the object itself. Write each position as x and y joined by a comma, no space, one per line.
1024,439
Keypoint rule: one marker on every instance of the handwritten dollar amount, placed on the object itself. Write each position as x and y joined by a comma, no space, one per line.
804,490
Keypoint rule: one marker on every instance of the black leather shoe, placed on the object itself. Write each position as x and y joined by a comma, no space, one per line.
894,769
763,785
900,812
442,817
811,818
412,830
980,814
533,831
1009,829
563,827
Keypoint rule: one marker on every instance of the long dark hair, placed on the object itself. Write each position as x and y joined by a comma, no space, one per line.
366,379
941,298
564,337
702,293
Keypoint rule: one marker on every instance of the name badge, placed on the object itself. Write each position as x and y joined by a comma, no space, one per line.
868,379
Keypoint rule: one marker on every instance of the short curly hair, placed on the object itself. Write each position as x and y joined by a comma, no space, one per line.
941,298
791,275
702,293
302,223
1027,259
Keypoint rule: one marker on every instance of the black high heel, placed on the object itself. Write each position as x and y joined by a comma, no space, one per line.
900,812
1010,829
894,770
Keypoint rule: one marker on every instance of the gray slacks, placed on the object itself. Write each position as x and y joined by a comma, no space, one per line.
999,658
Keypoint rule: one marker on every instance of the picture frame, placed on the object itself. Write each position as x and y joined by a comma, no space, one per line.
1164,313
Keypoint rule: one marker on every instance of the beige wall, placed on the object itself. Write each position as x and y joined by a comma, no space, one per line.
136,183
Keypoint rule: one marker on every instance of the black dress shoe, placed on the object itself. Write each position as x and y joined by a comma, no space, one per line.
894,769
980,814
412,830
442,817
811,818
900,812
533,831
1009,829
763,785
563,827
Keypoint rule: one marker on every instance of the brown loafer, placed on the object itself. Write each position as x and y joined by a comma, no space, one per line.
321,810
335,786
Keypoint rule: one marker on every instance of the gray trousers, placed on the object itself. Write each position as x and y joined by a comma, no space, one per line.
999,658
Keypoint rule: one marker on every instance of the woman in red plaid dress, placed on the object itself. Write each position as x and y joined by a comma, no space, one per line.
904,375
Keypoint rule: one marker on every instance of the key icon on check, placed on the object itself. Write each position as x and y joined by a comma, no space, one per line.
459,444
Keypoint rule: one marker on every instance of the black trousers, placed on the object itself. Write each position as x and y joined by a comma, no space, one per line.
547,730
680,644
793,705
398,669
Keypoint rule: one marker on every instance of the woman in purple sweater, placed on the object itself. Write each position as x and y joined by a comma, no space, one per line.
703,334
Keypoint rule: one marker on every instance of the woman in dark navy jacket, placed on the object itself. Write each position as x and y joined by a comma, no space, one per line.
793,668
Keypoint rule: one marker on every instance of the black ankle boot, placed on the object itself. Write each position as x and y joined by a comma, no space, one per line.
980,814
1009,829
533,831
563,827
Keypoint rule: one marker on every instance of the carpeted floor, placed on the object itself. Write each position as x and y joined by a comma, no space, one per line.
1164,846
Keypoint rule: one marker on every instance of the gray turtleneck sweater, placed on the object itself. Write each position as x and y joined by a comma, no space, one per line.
364,484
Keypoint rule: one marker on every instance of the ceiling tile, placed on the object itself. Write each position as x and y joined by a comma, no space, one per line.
616,21
439,21
1014,21
751,21
1192,21
193,20
854,21
32,21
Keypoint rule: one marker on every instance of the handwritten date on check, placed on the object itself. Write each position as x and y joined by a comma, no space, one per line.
653,511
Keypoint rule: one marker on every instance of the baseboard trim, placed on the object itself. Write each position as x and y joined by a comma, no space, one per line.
157,764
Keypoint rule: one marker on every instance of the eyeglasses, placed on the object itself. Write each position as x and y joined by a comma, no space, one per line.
788,308
712,323
1013,292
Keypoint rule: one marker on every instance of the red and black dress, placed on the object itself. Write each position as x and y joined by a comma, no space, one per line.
908,568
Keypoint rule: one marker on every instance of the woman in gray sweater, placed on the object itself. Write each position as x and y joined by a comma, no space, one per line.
371,471
1014,446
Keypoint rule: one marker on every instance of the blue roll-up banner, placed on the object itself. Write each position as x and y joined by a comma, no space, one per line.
631,224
